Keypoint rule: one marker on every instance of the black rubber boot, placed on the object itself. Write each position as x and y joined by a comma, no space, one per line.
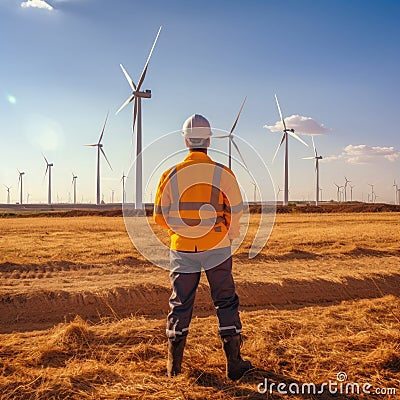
175,356
236,367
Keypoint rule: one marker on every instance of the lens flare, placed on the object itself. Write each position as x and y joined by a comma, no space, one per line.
11,99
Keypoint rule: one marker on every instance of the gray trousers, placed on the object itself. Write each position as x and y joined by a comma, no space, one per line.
184,285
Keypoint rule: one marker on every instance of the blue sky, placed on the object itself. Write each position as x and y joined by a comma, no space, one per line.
334,61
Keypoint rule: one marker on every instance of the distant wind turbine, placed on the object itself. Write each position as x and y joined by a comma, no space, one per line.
279,190
254,192
338,191
137,95
316,158
100,151
345,188
8,193
48,169
351,191
74,178
21,174
123,187
372,193
285,138
396,193
230,137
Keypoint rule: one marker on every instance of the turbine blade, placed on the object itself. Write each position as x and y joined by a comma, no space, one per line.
315,150
308,158
240,154
128,78
280,112
280,144
45,159
298,138
147,62
104,154
135,110
104,127
126,103
47,168
237,117
91,145
220,136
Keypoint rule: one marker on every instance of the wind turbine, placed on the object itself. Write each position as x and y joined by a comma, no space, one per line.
316,158
137,95
285,138
21,174
230,137
123,187
351,192
279,190
48,168
372,193
74,178
345,188
100,151
338,191
8,193
396,193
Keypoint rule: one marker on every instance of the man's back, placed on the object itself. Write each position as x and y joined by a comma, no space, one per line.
200,204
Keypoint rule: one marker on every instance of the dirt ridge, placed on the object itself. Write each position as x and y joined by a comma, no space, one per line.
50,307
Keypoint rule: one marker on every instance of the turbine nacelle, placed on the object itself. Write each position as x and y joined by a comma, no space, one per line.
145,94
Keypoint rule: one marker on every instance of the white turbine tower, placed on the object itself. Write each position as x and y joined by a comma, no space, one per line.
372,193
100,151
316,158
48,169
123,188
8,193
285,138
351,192
137,95
345,188
279,190
338,192
396,193
21,174
254,192
74,178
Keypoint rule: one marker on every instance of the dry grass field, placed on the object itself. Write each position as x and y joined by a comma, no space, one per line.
82,314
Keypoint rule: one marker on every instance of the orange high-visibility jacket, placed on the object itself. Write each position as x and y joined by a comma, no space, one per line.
199,202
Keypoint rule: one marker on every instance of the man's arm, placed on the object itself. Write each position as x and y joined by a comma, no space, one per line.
233,204
162,202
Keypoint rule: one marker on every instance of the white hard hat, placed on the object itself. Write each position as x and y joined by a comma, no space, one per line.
196,126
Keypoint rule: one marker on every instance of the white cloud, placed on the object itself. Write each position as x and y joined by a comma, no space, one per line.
303,125
361,154
36,4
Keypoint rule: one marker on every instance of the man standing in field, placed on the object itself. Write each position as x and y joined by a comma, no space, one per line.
199,202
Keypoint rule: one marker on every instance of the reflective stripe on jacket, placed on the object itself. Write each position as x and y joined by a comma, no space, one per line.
200,204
